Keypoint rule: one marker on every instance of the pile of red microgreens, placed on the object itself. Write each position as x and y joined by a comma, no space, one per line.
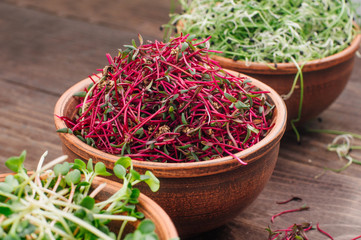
169,102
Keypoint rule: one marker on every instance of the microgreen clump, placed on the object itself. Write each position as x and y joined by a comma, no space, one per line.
169,102
60,203
271,31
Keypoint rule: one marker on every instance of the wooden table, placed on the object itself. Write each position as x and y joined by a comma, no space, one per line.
47,46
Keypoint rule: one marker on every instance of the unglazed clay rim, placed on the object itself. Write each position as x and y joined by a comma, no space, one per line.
290,68
184,169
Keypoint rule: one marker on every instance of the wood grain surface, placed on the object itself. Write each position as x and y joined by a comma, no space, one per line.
47,46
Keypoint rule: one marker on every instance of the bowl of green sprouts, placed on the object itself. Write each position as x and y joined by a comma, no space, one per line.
303,49
63,200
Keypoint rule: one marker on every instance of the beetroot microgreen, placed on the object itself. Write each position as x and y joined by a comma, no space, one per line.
161,101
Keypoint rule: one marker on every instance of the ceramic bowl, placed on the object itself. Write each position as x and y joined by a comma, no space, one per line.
164,226
198,196
324,80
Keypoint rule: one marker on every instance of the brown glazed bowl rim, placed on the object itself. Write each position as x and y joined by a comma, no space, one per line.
192,169
290,68
149,207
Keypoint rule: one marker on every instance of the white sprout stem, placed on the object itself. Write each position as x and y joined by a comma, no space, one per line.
70,199
41,161
115,217
78,221
46,167
56,230
97,190
57,183
54,162
38,169
53,194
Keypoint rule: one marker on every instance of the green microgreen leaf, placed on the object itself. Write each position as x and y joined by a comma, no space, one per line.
89,165
88,202
80,94
79,164
100,169
64,130
241,105
230,97
136,175
119,171
73,177
184,120
62,168
5,211
153,182
124,161
184,46
146,226
15,164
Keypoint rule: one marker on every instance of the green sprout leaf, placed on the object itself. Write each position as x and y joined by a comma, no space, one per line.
9,184
146,226
152,181
64,130
5,211
135,174
79,164
73,177
100,169
184,46
230,97
89,166
126,162
241,105
88,202
119,171
62,169
184,120
80,94
15,164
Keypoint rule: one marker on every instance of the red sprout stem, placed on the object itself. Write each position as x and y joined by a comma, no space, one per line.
323,232
162,101
303,208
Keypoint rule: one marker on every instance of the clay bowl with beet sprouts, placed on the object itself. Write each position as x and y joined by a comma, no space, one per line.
211,136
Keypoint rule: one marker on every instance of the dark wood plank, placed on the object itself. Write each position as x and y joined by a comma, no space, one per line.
46,46
26,124
63,51
137,16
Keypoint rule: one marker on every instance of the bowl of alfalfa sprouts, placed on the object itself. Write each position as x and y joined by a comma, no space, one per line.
303,49
210,135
